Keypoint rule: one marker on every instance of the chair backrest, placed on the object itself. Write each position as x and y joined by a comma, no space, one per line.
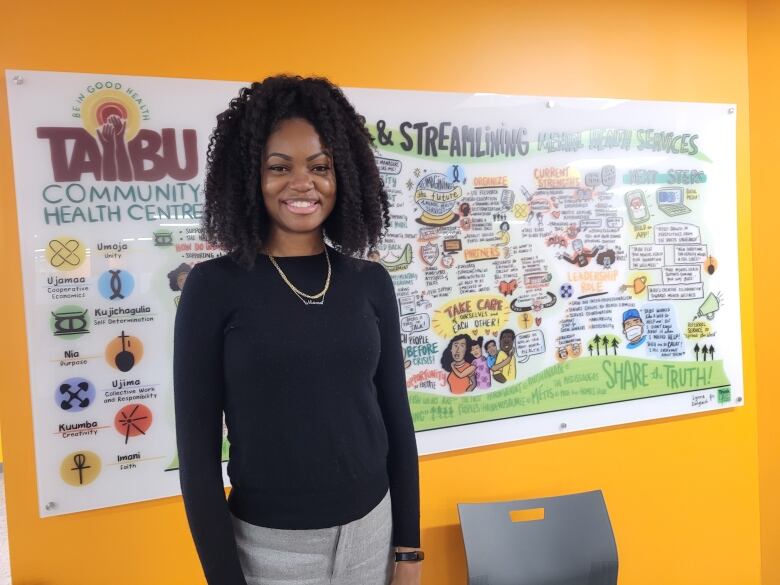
570,541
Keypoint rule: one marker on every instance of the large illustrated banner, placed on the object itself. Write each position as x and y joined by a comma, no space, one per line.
560,264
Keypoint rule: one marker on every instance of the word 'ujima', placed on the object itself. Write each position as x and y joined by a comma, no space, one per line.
149,156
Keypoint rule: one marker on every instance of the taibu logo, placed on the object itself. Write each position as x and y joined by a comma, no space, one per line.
111,145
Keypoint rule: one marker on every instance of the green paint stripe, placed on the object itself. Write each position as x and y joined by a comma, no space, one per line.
573,384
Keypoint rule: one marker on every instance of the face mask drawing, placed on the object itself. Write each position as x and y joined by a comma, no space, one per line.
634,333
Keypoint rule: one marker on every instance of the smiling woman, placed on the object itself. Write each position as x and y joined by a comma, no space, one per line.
297,341
298,182
283,139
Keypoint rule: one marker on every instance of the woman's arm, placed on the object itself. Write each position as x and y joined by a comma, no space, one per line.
390,380
198,398
498,366
463,373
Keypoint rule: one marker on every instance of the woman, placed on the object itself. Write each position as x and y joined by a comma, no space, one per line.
456,360
480,363
298,342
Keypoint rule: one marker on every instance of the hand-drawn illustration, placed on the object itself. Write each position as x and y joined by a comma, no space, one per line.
542,259
505,369
633,328
581,256
436,195
670,201
709,307
480,362
638,211
178,276
457,361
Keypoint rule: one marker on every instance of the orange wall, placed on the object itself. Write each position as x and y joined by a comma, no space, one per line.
682,492
763,55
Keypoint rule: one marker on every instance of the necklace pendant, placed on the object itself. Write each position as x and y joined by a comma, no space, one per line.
305,298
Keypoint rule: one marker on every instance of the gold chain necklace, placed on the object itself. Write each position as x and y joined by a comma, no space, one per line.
306,299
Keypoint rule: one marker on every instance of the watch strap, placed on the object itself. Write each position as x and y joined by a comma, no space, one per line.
416,555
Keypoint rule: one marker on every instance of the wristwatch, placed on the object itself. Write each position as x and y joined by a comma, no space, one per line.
414,556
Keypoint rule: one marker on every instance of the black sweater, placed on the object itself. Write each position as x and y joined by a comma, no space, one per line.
314,398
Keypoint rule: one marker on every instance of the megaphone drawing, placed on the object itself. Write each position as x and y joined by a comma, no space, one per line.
709,307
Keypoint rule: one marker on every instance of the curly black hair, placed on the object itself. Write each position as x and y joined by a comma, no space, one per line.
446,356
234,215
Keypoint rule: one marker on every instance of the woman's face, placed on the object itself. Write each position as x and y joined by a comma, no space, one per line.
297,178
476,350
459,350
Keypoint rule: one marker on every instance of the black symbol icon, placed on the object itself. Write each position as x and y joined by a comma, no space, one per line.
64,253
710,265
124,360
127,420
116,285
704,351
67,403
70,323
163,239
79,459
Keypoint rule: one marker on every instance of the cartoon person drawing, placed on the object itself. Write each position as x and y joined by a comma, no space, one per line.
503,233
505,369
456,360
633,328
492,353
465,220
566,350
481,364
606,259
178,276
582,255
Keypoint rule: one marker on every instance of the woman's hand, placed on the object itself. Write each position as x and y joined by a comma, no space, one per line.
407,573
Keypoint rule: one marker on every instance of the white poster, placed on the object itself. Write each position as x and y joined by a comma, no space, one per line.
560,264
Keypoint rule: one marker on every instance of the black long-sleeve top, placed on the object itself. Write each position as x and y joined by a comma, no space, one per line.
314,398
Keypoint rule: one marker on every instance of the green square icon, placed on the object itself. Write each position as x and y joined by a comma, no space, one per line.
724,395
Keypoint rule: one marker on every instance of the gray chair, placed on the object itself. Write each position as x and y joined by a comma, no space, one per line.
572,545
